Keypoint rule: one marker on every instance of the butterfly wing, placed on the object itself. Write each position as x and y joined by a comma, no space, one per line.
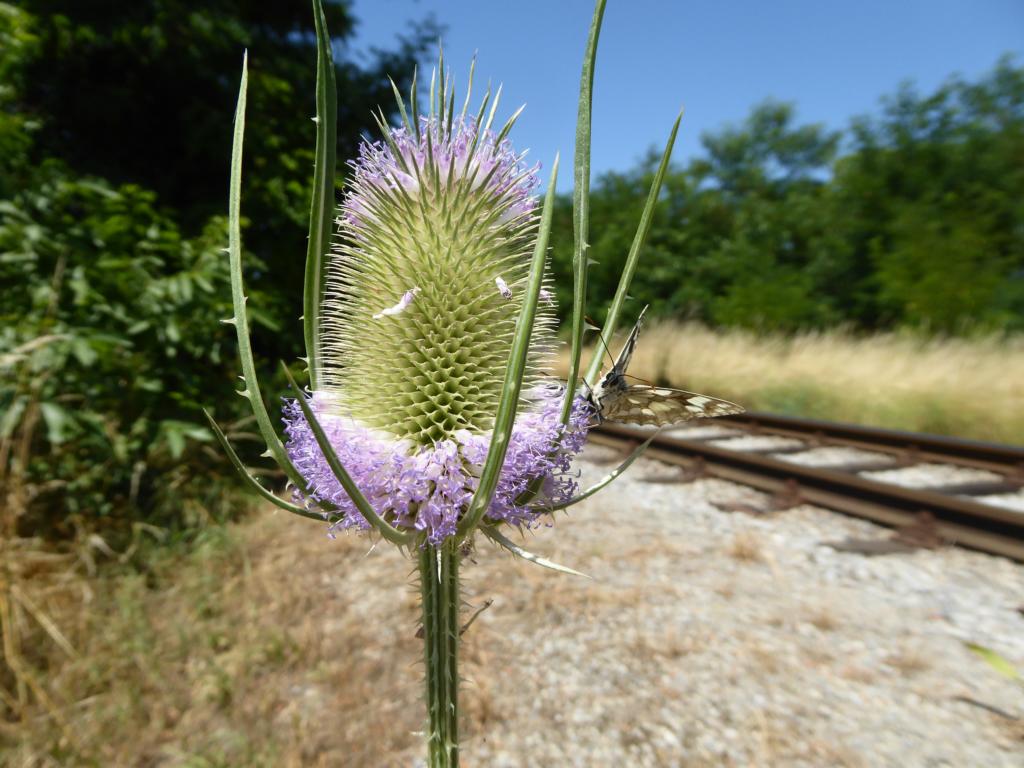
627,349
613,383
663,407
614,399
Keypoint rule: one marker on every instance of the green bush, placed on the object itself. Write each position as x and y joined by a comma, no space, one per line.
115,127
109,349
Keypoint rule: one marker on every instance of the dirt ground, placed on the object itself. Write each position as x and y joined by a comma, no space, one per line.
706,637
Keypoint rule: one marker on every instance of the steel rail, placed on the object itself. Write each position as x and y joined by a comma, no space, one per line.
958,520
916,446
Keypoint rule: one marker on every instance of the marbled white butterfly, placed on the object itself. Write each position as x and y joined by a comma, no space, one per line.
615,399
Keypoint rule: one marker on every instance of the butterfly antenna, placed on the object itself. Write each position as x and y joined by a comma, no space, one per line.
604,344
637,378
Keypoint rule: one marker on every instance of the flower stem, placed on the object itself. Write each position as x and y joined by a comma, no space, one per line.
439,585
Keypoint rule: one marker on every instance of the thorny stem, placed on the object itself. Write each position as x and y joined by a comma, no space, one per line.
439,586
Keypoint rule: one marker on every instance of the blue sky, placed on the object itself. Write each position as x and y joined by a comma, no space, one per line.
716,59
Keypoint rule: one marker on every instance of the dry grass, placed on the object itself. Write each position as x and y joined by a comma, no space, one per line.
777,745
670,644
270,646
1014,729
857,673
746,547
909,661
823,619
204,663
763,662
260,648
967,387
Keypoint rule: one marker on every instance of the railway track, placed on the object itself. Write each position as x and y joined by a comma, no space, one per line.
948,512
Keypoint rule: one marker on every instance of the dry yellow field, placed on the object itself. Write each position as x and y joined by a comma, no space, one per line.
964,387
220,658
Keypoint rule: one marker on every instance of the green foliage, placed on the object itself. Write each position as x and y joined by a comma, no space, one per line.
114,145
18,45
929,207
942,269
143,93
918,225
106,351
734,232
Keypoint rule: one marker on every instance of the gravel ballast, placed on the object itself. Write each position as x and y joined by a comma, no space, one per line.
710,637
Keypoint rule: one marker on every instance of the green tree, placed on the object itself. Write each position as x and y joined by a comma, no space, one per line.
106,355
143,93
18,45
736,233
766,153
942,270
769,175
929,207
918,224
115,122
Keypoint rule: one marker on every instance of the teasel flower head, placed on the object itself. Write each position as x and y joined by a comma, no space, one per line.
428,328
423,290
428,321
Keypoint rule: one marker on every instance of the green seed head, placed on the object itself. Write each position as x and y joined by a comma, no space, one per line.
426,282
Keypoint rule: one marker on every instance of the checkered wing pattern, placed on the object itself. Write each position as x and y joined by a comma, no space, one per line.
661,406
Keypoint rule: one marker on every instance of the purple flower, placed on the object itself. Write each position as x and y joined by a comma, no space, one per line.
426,488
440,217
461,153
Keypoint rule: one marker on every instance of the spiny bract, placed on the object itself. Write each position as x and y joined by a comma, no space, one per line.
426,282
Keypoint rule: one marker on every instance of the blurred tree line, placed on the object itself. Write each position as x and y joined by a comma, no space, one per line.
115,131
115,123
911,218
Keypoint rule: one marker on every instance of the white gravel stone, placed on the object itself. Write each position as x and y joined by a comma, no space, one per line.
758,443
931,475
833,456
710,638
704,432
1014,501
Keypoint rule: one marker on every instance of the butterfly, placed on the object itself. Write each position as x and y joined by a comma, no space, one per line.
615,399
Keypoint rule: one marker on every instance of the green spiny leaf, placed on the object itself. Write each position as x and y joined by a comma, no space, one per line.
604,480
252,388
321,213
496,536
251,481
506,415
581,208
